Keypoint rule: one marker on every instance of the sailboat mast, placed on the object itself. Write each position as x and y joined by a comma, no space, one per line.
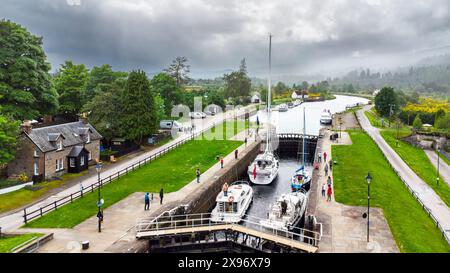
269,93
304,135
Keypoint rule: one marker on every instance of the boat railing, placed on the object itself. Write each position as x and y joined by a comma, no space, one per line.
171,222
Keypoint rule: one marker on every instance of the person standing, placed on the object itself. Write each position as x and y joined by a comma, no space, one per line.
245,141
221,162
329,193
326,169
331,165
197,173
147,201
161,196
325,157
324,189
319,158
329,181
236,154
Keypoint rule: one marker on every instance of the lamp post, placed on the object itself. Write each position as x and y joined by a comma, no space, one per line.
437,175
390,113
98,168
368,179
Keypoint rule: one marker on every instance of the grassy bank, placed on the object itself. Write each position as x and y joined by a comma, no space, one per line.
418,161
7,244
225,130
412,228
170,172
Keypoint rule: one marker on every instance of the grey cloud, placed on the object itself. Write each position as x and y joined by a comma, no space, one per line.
309,35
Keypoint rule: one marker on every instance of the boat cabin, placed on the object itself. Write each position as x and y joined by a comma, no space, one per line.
231,200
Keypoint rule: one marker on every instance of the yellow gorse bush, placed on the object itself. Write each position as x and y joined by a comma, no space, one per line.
427,105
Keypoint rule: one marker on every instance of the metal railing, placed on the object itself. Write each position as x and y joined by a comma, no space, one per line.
414,193
171,222
30,215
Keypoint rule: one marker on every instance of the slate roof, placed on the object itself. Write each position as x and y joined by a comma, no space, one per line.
76,150
72,134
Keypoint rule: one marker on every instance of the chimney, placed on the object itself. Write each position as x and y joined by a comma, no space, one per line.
48,119
83,118
26,126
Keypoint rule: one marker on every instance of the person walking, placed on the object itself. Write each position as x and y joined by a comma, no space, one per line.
245,141
161,196
319,158
221,162
326,169
324,189
147,201
329,181
197,173
331,165
329,193
325,157
236,154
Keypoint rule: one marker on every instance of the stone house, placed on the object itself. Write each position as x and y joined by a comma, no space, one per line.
52,151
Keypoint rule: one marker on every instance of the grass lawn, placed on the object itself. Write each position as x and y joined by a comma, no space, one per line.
412,228
374,119
445,159
418,161
225,130
9,243
171,172
24,196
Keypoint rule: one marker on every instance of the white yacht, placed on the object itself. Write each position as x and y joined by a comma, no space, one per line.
264,169
282,107
232,203
325,117
297,102
286,212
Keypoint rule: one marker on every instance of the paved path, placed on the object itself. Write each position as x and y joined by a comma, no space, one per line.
444,169
344,230
428,197
121,218
15,220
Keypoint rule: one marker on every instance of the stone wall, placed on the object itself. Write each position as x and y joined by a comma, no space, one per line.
25,159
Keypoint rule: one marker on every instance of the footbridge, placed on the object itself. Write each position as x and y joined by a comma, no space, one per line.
192,232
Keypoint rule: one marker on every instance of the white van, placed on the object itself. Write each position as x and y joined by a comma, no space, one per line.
169,124
197,115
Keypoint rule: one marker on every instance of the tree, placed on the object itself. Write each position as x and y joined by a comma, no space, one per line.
26,90
243,67
386,100
179,70
417,124
304,85
100,78
9,131
443,122
237,84
70,82
280,88
105,111
138,108
166,86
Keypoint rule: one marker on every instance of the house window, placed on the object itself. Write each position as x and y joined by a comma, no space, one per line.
59,165
88,138
82,161
72,162
36,168
89,156
60,145
36,153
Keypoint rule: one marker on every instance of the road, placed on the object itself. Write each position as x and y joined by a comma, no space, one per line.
444,169
15,220
428,197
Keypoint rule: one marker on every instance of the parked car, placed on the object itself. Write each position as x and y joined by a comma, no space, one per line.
195,115
169,124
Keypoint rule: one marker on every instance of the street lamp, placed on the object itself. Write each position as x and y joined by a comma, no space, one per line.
390,113
437,175
368,179
98,168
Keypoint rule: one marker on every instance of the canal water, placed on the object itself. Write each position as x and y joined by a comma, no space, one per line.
292,122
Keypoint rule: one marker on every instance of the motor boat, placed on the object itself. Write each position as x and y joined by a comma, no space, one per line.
282,107
325,117
297,103
290,105
264,169
232,203
285,213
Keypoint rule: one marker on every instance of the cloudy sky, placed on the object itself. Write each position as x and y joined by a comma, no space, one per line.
309,35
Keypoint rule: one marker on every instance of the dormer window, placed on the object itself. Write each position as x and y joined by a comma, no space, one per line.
36,154
88,138
60,145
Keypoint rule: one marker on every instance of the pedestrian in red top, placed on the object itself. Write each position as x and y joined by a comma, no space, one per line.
329,193
325,157
221,162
